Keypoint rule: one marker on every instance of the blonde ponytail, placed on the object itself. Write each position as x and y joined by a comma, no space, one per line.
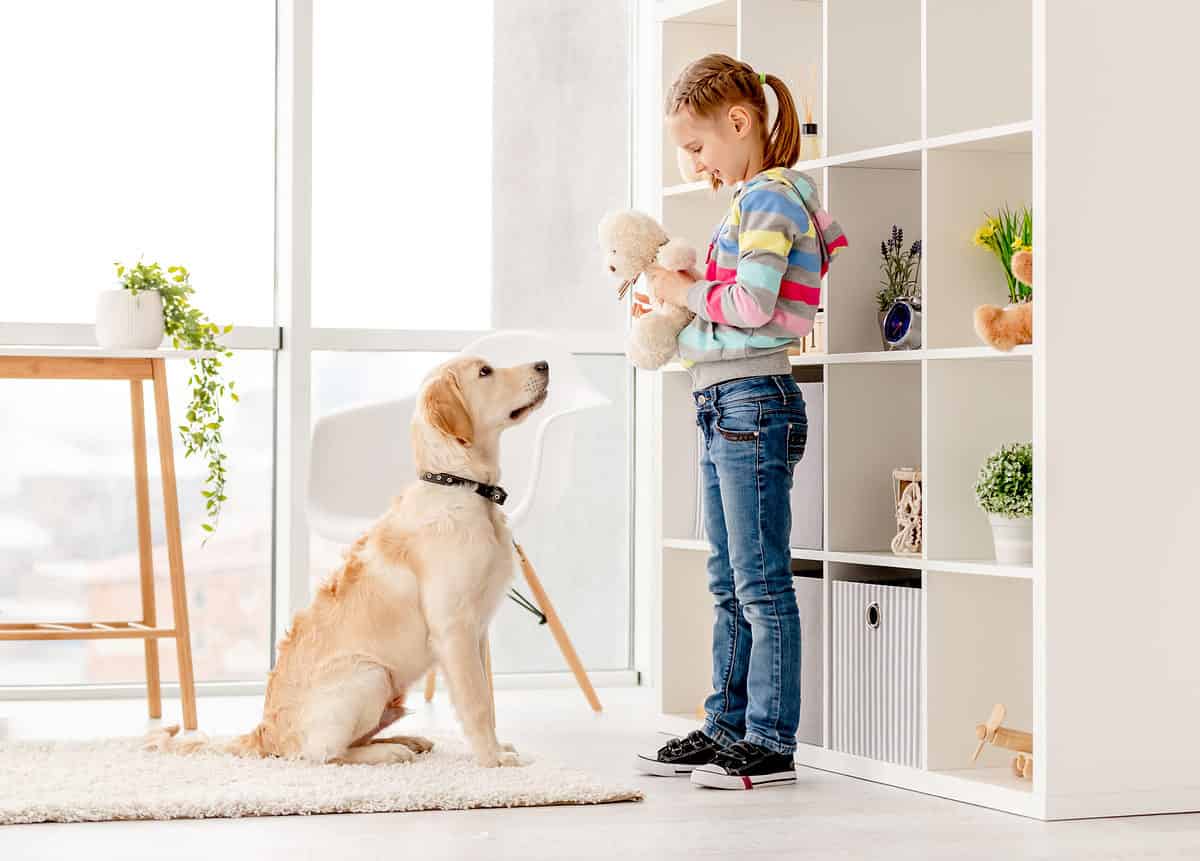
783,144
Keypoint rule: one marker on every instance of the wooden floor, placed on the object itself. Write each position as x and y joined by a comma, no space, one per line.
825,816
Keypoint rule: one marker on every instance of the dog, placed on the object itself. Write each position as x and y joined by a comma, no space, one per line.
419,587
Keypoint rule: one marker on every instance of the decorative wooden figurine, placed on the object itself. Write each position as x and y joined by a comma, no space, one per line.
906,482
1012,739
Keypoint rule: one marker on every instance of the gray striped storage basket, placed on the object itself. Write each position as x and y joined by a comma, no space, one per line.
877,672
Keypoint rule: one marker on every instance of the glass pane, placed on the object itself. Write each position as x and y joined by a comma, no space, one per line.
401,164
68,539
138,127
526,108
579,545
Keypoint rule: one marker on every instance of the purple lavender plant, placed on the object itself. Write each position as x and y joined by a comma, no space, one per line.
901,269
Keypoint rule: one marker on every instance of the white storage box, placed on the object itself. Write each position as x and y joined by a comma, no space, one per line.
809,592
877,671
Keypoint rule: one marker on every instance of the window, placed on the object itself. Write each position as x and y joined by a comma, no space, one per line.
461,161
402,167
68,529
136,128
133,129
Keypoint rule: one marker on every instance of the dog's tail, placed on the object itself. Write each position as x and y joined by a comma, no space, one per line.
165,740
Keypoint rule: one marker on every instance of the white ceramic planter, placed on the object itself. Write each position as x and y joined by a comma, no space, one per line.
128,322
1013,538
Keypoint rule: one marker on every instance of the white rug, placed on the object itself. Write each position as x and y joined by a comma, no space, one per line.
90,781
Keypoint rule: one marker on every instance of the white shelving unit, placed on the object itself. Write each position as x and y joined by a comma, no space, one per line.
911,137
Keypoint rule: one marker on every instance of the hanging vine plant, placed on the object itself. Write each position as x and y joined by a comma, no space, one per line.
190,329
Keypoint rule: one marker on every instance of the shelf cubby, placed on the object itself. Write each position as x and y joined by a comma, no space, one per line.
691,32
679,459
962,183
873,74
972,407
694,218
685,617
978,652
867,200
783,38
969,41
874,414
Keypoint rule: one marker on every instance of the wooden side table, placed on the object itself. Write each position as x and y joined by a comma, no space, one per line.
134,366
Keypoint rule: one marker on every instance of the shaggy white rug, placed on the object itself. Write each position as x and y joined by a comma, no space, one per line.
89,781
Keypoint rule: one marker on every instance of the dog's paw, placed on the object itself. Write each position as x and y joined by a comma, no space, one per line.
499,759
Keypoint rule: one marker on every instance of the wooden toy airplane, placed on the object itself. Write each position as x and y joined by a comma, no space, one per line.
1011,739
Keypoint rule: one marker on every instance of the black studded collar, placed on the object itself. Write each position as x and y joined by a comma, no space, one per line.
491,492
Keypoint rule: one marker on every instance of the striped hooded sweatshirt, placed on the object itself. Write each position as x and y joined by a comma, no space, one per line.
762,283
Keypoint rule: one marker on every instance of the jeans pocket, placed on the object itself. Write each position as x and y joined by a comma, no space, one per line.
797,440
739,424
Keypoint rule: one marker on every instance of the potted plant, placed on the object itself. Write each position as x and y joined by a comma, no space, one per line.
1005,491
1006,233
129,316
899,295
189,329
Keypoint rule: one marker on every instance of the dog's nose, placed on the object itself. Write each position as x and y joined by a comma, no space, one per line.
542,368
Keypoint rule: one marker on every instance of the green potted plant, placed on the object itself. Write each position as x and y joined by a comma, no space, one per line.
189,329
1005,491
899,296
1006,233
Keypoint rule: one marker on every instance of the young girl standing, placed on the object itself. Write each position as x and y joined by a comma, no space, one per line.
758,296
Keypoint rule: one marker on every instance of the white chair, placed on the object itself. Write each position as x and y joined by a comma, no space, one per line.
362,457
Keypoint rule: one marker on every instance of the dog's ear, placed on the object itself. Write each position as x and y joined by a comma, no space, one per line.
445,408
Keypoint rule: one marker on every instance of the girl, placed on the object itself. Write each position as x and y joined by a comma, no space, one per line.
758,296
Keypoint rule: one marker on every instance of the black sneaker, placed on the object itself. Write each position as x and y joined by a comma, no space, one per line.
679,756
743,765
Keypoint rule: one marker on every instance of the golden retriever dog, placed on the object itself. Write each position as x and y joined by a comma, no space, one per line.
419,588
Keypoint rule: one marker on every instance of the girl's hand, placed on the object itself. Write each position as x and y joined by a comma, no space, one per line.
670,287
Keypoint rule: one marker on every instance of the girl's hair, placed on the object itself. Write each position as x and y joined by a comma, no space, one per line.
716,80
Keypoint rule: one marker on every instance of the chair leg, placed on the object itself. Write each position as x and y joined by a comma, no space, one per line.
556,628
166,455
430,683
145,549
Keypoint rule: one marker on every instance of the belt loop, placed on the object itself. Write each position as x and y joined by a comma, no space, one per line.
783,393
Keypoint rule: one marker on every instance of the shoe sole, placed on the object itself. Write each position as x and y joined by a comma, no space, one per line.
658,768
701,776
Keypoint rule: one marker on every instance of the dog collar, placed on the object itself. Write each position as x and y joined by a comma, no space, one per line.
491,492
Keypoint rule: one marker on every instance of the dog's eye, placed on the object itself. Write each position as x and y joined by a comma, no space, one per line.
485,371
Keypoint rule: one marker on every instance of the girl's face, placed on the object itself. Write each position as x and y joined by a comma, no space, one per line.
726,145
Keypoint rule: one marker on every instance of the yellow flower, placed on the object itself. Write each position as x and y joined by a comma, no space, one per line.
984,235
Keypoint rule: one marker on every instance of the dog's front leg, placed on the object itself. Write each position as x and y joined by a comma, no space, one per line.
458,653
485,655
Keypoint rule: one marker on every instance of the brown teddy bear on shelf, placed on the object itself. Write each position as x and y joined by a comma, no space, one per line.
1005,328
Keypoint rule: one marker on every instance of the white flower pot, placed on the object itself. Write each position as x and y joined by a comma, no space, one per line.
128,322
1013,537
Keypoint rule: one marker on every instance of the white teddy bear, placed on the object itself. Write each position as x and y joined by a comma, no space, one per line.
632,241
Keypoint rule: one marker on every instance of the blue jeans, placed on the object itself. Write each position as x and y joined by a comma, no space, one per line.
755,431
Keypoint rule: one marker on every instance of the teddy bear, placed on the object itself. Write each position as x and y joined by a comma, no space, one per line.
632,241
1005,328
